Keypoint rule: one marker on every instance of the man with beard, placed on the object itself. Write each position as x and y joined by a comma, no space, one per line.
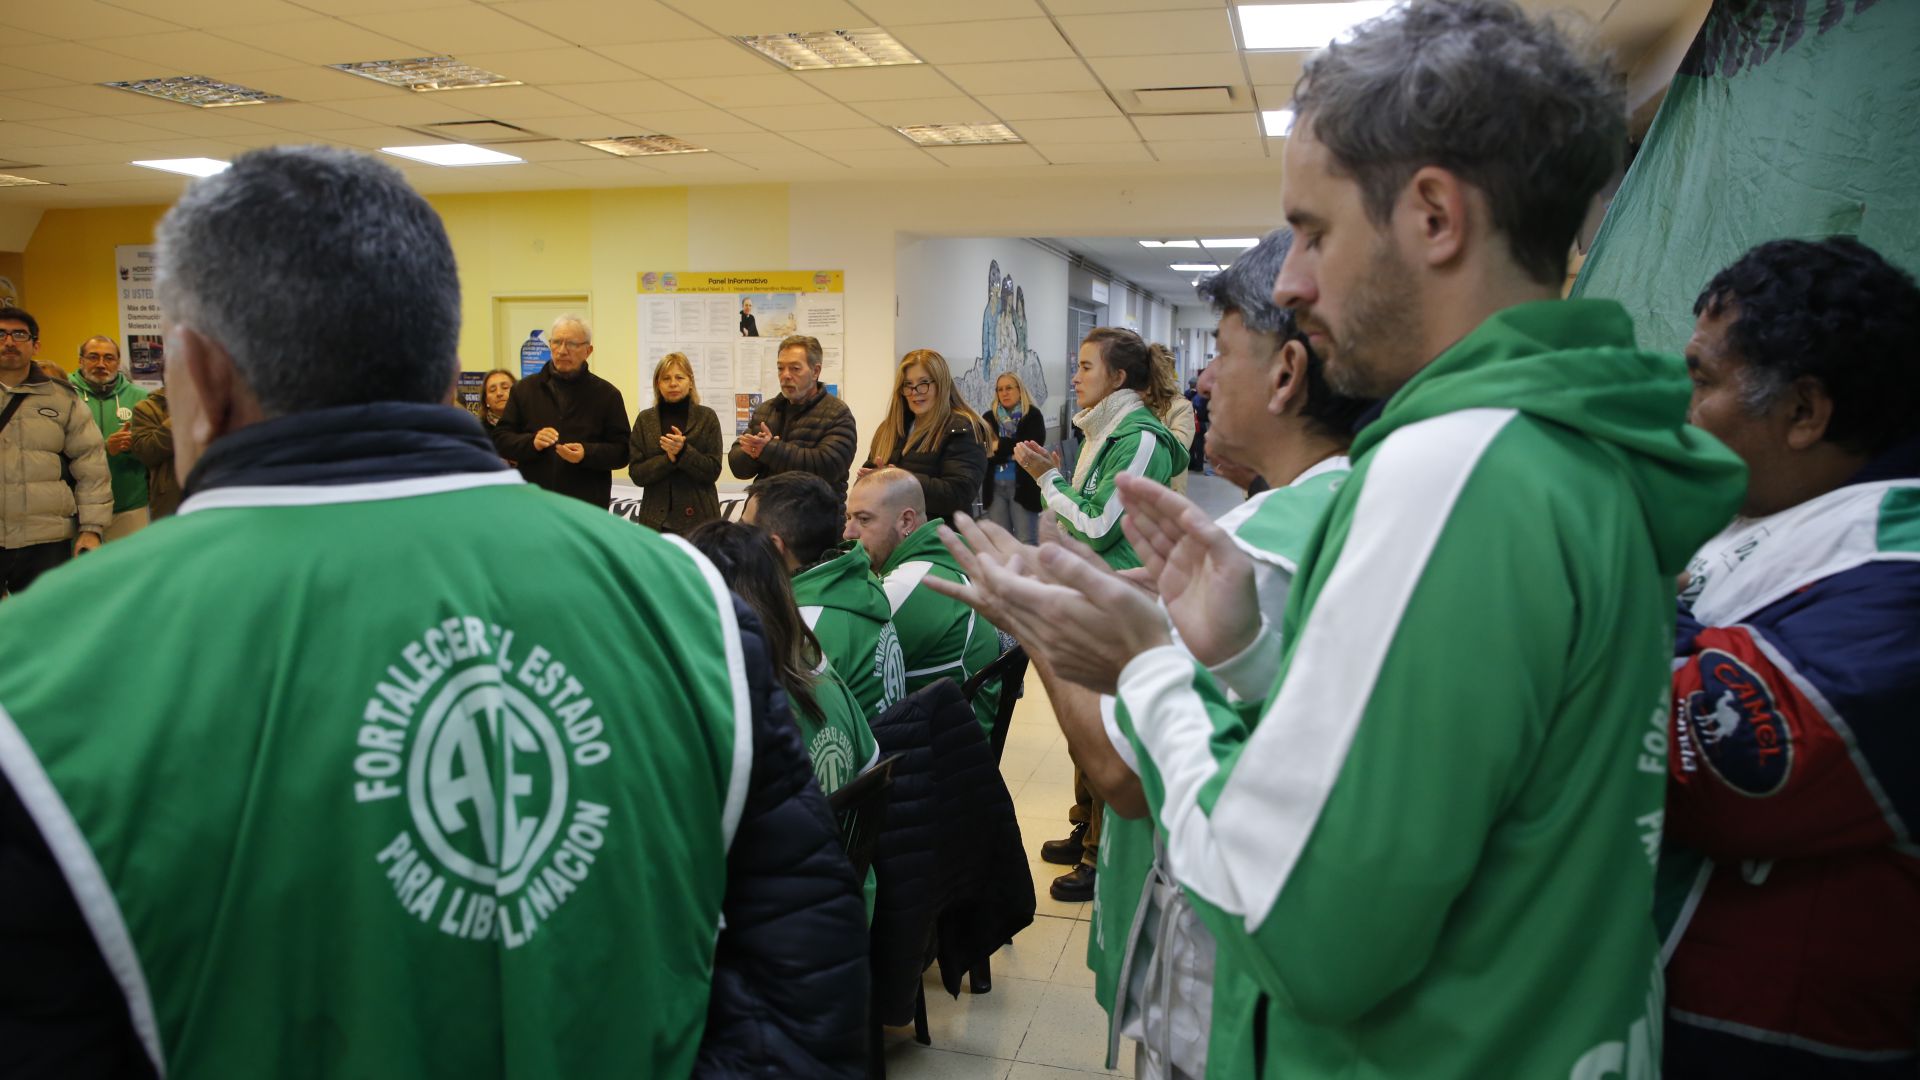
565,427
1433,852
804,429
111,397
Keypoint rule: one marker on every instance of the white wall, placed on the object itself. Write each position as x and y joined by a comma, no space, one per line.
942,285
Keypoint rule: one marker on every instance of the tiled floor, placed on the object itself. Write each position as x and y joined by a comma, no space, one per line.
1040,1021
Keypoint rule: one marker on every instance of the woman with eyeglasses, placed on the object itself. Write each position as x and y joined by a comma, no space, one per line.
1010,496
933,434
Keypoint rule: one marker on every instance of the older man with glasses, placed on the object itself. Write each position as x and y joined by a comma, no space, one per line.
565,427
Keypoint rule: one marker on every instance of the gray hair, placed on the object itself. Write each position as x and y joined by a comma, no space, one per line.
815,354
1512,105
98,337
326,278
570,319
1246,286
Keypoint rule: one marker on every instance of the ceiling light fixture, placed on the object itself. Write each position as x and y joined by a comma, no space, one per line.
815,50
197,91
426,74
1276,122
1169,243
186,166
643,145
1197,268
959,134
10,180
1303,26
453,155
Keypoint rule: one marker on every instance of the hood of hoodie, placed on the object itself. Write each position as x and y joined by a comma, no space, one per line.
1143,421
1575,363
923,546
844,582
80,383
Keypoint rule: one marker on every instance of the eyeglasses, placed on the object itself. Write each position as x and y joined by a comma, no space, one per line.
17,335
921,387
99,356
563,343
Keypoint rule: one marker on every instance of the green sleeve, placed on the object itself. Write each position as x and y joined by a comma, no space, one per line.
1095,518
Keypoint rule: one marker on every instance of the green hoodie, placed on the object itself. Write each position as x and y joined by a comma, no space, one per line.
842,603
1434,853
1137,444
941,638
111,411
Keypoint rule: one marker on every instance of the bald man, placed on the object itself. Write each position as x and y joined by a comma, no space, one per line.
942,638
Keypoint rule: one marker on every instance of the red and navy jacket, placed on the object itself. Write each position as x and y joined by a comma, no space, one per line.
1795,771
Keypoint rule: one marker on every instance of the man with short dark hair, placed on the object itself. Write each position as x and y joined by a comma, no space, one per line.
1434,851
402,808
940,637
565,427
835,587
46,434
111,397
1794,770
804,429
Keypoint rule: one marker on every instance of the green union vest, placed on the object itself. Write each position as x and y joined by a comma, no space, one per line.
386,803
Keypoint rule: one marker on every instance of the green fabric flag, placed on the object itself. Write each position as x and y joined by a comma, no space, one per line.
1788,118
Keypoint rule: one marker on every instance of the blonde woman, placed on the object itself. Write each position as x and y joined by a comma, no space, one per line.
933,434
1009,495
676,452
1172,408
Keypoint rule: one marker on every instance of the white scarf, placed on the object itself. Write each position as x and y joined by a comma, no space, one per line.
1096,423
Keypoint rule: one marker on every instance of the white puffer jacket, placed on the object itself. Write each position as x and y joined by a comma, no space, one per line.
51,429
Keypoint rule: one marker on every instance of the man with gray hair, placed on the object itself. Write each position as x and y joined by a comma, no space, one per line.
399,808
1433,853
111,397
805,429
565,427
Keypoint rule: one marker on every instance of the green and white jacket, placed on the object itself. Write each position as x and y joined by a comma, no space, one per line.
842,603
1122,436
1434,853
940,637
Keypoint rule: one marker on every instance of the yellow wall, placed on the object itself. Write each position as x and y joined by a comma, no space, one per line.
69,274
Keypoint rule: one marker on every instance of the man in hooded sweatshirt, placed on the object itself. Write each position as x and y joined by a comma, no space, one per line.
111,397
839,596
940,637
1433,849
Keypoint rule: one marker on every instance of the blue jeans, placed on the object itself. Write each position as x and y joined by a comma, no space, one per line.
1023,523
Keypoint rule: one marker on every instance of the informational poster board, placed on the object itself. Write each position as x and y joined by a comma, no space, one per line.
143,350
729,325
471,392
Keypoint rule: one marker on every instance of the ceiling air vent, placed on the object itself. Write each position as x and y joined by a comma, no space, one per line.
1184,99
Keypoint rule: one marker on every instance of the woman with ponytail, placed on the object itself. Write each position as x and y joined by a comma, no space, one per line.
1171,407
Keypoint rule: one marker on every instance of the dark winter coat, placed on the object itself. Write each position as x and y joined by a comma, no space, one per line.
951,472
678,493
1032,428
817,437
952,870
594,415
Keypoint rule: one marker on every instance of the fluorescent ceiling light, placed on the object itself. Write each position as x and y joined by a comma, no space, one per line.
959,134
453,154
1170,243
10,180
426,74
643,145
187,166
197,91
1277,122
1197,268
813,50
1303,26
1243,243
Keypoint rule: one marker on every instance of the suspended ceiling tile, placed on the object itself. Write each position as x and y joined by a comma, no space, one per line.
1082,103
13,108
13,78
1189,69
217,15
1187,128
1022,77
986,157
94,153
512,103
788,162
72,20
71,62
549,150
294,116
945,110
1273,96
575,125
1209,149
745,90
870,137
675,121
624,97
962,43
880,83
362,7
89,174
468,28
1102,7
1276,68
411,110
909,158
195,51
567,64
1093,153
595,22
912,12
701,166
96,100
774,16
690,59
800,117
606,167
319,84
734,143
322,41
211,123
1150,33
373,138
1094,130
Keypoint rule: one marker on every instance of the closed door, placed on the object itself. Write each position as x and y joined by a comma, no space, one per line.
515,318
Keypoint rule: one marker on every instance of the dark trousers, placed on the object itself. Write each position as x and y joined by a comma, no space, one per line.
19,566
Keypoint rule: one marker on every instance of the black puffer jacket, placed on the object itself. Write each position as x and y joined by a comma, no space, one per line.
818,437
950,473
952,870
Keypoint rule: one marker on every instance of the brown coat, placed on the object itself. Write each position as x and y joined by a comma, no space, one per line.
152,428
